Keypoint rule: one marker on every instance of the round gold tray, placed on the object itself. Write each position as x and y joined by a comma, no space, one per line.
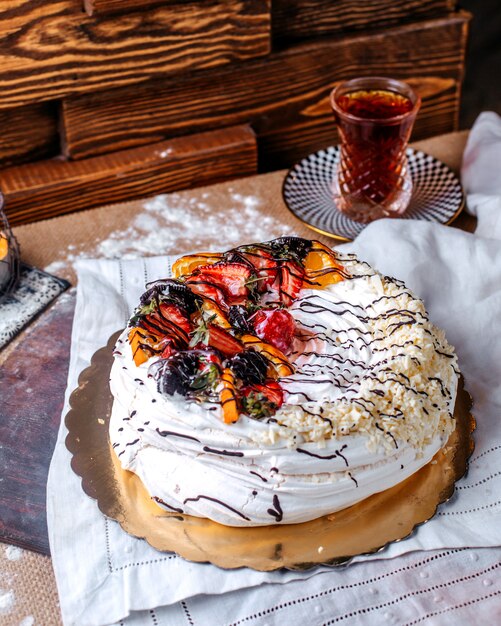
364,528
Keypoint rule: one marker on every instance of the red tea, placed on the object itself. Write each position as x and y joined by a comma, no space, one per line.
374,125
378,104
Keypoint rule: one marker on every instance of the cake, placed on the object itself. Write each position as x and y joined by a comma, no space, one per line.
276,383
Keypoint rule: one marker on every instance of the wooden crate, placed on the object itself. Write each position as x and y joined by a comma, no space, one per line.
49,188
285,98
107,7
108,84
304,19
50,49
29,133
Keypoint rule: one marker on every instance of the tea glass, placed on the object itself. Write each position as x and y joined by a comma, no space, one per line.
374,117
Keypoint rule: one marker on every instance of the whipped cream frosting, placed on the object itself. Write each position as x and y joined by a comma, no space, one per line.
370,402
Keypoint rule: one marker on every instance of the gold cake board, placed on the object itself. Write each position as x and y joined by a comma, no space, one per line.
364,528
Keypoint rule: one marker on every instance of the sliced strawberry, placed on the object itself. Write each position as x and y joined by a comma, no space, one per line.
168,350
231,277
221,340
272,391
218,338
264,264
175,315
168,319
203,285
276,327
289,281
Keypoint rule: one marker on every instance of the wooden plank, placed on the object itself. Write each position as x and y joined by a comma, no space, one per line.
299,19
269,92
28,133
49,49
103,7
49,188
31,413
283,145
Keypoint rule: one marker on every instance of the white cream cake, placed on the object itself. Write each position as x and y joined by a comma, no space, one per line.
354,395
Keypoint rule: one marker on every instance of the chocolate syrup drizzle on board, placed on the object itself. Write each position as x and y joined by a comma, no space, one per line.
334,366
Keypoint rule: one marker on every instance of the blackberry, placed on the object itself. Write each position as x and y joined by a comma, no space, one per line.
181,294
250,367
291,247
237,316
173,291
175,374
236,256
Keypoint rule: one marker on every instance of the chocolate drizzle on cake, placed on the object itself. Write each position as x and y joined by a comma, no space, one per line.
328,457
217,501
171,433
167,506
388,434
222,452
265,480
276,511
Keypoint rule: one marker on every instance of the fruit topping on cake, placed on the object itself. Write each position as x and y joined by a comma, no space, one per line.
221,329
275,326
262,400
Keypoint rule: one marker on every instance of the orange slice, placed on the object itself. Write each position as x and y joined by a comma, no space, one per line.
227,397
321,267
140,339
211,308
189,263
277,358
